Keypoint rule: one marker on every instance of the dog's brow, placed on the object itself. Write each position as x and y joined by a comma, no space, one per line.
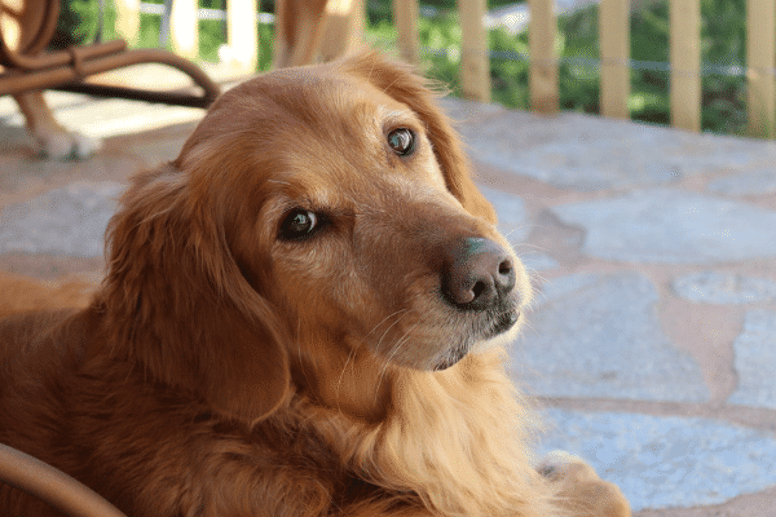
305,195
395,117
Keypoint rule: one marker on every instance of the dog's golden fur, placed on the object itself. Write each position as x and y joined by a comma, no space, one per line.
226,368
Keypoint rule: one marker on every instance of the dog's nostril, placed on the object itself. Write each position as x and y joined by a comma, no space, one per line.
478,289
505,267
480,273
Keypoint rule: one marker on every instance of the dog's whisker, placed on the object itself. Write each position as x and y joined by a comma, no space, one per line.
386,319
389,359
384,369
405,312
398,320
530,246
342,377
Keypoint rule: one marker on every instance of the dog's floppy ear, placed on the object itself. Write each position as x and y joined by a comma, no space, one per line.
400,82
178,306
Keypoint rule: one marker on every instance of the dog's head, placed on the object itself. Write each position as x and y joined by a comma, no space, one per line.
320,223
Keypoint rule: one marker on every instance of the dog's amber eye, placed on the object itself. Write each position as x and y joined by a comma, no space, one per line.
299,224
402,141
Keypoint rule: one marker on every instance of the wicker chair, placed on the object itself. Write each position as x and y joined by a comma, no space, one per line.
52,486
29,66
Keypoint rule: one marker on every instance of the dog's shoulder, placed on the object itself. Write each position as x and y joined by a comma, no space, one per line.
40,346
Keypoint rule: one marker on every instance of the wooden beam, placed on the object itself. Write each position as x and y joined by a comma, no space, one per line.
345,28
543,80
242,34
405,17
279,49
128,20
761,56
614,30
184,28
475,62
685,55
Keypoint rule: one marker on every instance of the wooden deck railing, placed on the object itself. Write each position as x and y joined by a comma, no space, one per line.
685,44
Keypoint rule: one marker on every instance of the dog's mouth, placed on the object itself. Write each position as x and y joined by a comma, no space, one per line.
452,357
502,323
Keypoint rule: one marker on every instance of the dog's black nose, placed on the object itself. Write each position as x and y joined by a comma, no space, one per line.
478,274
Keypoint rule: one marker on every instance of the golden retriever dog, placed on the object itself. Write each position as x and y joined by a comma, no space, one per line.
304,315
20,22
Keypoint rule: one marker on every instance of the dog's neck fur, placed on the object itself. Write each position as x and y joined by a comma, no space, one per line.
342,375
445,429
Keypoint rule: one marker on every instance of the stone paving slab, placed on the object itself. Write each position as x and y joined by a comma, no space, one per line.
586,153
66,221
724,288
756,361
672,226
511,213
755,182
597,335
662,462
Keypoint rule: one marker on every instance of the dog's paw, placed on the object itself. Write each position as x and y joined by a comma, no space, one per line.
580,490
66,145
561,465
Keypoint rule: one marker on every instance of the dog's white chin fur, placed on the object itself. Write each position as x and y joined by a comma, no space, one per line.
499,341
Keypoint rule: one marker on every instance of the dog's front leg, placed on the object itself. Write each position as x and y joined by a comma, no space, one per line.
580,490
54,141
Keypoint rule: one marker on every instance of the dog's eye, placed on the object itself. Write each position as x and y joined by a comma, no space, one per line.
299,224
402,141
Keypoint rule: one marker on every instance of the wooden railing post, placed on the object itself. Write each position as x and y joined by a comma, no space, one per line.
475,63
128,20
760,58
614,33
242,34
279,49
685,43
345,27
184,28
543,80
405,17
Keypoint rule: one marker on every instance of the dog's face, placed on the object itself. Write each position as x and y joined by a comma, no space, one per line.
355,232
344,200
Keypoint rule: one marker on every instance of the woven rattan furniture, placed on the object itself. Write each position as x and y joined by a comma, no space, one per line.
29,66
